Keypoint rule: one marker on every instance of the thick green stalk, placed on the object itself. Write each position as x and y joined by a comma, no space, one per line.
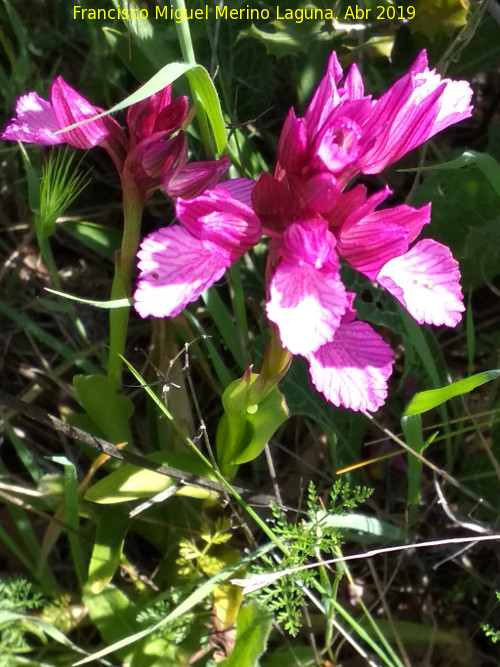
133,203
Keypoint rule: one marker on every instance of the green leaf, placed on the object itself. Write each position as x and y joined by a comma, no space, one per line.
201,85
99,238
130,482
224,322
113,614
369,525
278,43
43,626
485,163
435,16
107,305
71,516
427,400
185,606
108,544
151,39
465,212
40,333
287,36
252,631
244,430
109,410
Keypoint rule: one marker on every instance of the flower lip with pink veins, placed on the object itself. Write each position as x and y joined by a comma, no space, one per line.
306,296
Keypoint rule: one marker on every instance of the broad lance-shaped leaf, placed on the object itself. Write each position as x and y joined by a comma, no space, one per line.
246,427
426,400
109,410
130,482
253,626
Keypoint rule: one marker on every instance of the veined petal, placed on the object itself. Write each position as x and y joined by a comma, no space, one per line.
349,201
414,109
292,144
141,117
353,369
326,96
307,299
272,201
192,179
336,146
69,108
320,192
368,244
412,219
364,207
217,217
35,122
158,157
175,268
425,280
239,188
157,113
353,84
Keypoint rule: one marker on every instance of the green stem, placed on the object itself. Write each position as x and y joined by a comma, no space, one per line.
124,263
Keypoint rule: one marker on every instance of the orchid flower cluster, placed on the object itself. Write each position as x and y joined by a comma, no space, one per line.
151,154
315,220
313,214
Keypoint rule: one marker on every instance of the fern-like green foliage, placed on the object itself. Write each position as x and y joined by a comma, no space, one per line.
200,555
307,539
175,632
490,632
19,596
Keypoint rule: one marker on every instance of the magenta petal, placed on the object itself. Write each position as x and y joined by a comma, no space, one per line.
336,146
221,220
354,83
239,188
35,122
171,117
159,158
368,245
426,282
352,371
69,108
326,97
412,219
272,201
307,299
320,192
192,179
175,268
414,109
292,144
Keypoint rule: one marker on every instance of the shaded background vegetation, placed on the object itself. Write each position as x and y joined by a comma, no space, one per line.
432,602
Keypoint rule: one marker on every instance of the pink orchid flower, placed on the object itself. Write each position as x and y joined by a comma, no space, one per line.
37,121
152,153
314,222
177,263
345,132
